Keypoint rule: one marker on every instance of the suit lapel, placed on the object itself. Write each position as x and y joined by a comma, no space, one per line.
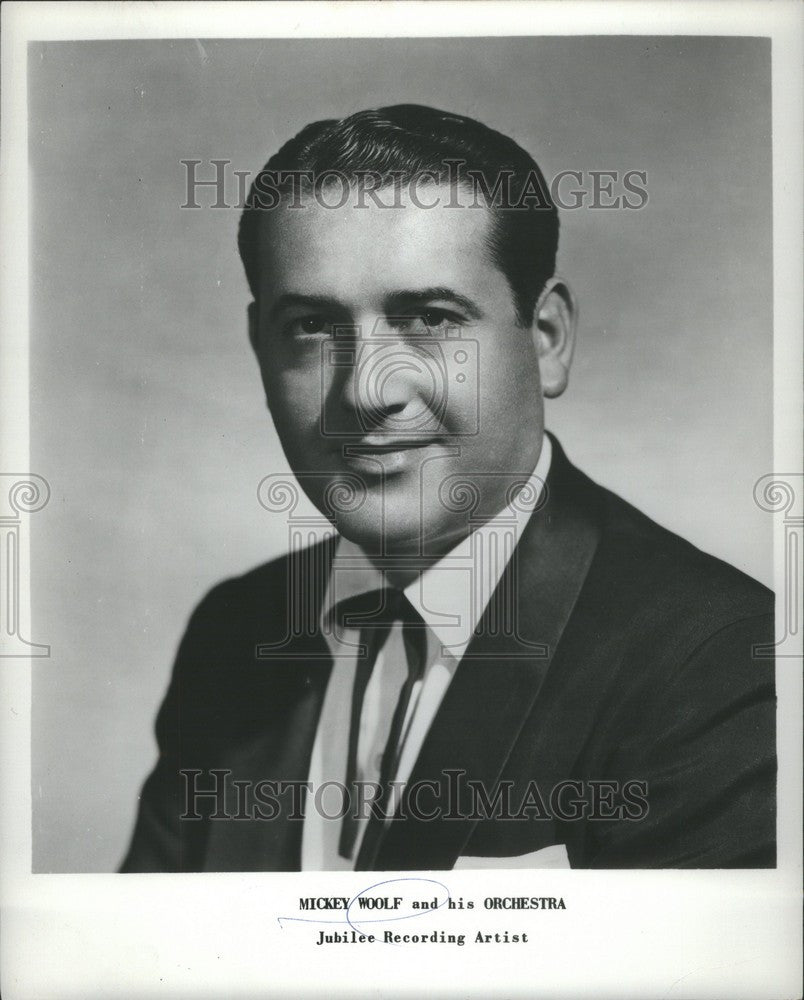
500,675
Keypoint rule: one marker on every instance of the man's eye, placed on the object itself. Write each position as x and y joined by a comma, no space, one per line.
431,318
310,325
434,318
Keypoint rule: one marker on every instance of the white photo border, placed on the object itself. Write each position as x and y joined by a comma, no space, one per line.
642,934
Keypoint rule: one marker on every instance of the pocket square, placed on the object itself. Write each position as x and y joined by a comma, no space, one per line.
554,856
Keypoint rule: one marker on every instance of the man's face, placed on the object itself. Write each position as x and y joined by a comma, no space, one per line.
393,362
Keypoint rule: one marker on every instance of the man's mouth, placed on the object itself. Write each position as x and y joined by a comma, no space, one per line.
381,445
381,456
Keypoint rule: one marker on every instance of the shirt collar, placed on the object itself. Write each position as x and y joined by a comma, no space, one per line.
452,594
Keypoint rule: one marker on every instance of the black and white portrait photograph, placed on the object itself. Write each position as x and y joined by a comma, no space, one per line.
402,517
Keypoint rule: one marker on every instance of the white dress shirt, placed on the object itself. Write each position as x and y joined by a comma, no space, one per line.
451,596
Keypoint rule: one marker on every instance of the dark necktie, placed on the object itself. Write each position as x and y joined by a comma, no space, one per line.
374,614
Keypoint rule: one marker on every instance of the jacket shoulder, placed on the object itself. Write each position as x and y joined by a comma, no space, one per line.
641,568
659,571
257,602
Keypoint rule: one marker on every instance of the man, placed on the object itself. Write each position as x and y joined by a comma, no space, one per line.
495,662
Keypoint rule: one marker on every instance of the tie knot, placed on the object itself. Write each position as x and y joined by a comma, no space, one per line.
375,613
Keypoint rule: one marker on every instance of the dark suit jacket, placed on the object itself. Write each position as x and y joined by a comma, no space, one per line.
630,659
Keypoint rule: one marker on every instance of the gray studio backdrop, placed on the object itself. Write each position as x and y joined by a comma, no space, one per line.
147,414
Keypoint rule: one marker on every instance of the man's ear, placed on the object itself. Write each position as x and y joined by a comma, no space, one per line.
554,323
253,329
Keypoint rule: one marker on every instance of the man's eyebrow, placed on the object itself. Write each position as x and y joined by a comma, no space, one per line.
397,303
401,301
290,299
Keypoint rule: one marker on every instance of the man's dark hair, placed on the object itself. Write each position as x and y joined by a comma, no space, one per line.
399,143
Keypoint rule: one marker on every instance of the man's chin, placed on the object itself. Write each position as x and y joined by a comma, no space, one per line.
401,537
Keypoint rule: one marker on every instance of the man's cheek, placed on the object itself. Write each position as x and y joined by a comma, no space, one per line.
295,396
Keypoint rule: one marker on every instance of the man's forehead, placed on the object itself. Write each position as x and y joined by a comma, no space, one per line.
331,244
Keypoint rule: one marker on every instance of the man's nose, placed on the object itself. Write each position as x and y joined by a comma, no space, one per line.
394,380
